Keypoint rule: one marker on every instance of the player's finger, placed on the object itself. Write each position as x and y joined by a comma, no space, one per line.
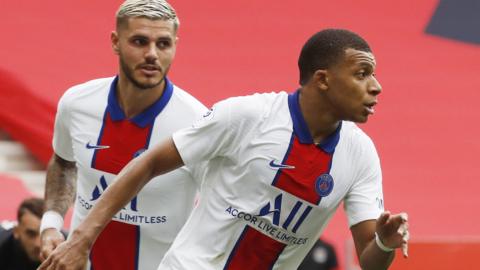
45,264
402,228
405,250
383,218
406,235
46,251
399,220
404,217
405,238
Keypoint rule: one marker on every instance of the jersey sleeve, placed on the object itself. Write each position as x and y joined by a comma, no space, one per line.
207,138
364,200
62,141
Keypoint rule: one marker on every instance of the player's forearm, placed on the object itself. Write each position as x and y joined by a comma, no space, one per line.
127,184
159,160
60,184
373,258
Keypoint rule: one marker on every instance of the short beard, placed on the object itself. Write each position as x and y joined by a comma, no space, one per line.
144,86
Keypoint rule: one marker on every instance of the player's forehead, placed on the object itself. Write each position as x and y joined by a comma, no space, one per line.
148,27
29,220
355,58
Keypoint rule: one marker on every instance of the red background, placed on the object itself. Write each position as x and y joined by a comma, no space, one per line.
425,128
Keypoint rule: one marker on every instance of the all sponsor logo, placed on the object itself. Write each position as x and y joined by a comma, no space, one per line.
298,210
281,230
99,189
130,216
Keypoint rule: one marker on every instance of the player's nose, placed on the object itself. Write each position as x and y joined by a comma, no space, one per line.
151,53
374,87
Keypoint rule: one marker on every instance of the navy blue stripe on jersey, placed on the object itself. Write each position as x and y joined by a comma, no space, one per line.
306,165
300,127
137,256
301,130
100,135
254,250
284,159
147,116
123,139
235,248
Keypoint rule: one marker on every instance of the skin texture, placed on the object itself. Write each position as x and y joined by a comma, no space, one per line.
27,233
73,254
146,49
59,195
352,86
347,90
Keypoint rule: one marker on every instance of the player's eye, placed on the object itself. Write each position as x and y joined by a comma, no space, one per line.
163,44
31,233
139,41
361,74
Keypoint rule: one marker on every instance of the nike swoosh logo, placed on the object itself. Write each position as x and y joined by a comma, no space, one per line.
274,165
89,146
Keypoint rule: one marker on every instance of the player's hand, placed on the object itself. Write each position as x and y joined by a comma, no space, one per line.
69,255
49,240
393,231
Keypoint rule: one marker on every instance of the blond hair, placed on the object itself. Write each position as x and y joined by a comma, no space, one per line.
150,9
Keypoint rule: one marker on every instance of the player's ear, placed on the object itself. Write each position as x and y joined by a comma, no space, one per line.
16,232
114,39
320,79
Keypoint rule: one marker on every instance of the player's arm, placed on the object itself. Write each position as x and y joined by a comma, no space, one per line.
73,253
376,240
59,195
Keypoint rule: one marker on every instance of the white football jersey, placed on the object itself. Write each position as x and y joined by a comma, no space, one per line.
268,191
92,130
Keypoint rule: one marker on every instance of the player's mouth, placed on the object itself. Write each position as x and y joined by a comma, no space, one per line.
370,107
150,70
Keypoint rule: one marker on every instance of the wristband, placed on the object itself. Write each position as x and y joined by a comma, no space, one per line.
381,245
51,219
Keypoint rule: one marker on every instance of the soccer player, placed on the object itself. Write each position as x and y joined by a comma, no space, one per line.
278,166
20,245
103,124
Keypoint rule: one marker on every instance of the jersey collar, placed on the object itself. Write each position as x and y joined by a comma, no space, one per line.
148,115
301,129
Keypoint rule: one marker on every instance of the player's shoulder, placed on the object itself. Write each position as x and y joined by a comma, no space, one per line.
355,138
255,105
187,100
92,87
6,232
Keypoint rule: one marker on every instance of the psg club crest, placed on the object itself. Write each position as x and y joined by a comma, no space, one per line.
324,185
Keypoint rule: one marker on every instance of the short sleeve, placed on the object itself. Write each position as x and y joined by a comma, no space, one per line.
364,200
62,141
207,138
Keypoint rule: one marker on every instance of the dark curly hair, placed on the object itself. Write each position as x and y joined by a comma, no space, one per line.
36,206
325,48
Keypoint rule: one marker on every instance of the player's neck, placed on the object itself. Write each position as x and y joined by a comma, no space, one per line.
320,120
133,100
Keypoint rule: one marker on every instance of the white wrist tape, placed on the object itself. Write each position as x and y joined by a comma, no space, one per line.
381,245
51,219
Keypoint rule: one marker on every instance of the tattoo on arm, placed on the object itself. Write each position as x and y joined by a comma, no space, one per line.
60,186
